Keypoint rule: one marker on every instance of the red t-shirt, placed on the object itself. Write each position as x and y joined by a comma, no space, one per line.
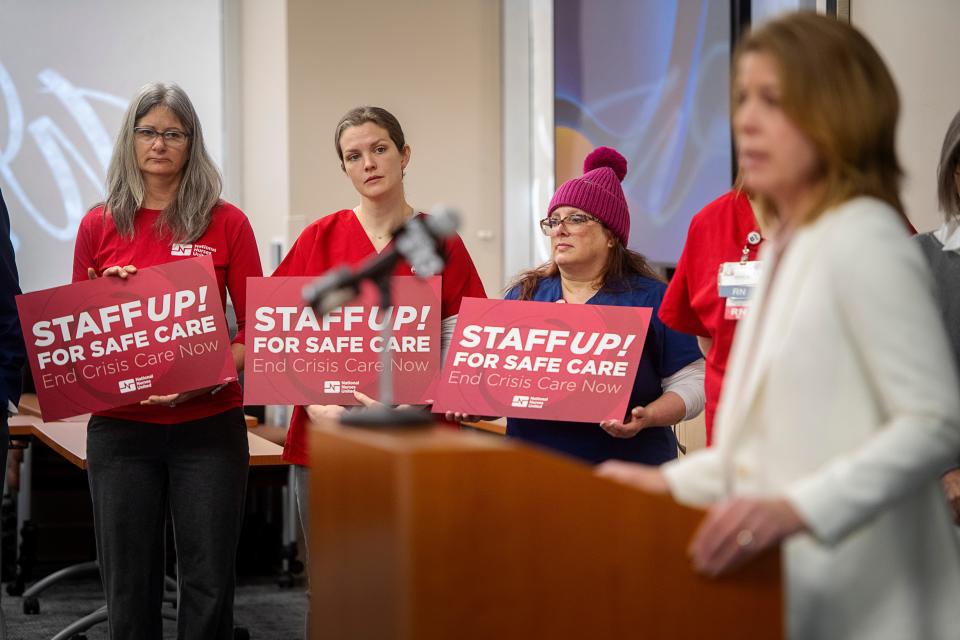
692,304
339,239
228,240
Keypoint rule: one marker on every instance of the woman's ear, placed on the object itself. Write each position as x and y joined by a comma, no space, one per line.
405,156
611,241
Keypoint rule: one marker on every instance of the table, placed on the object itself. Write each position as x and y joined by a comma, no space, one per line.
69,439
30,407
23,425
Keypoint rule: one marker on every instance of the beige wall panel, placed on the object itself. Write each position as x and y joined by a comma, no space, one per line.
436,65
264,115
918,40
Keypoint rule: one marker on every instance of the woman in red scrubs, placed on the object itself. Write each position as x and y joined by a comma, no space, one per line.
373,153
725,232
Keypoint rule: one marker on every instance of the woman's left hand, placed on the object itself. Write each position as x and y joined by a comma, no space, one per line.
641,476
368,402
638,420
738,529
173,399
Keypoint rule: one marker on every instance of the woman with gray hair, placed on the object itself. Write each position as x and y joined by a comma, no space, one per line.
942,251
186,452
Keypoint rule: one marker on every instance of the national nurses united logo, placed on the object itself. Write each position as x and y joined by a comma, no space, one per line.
528,402
135,384
340,386
191,249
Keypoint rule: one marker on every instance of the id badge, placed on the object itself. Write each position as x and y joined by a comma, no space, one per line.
737,279
736,308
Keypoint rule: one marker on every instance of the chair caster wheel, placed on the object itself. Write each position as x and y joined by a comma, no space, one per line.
31,606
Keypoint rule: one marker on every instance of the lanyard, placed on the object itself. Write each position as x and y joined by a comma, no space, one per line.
753,239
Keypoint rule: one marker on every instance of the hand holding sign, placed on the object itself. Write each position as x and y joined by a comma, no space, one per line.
118,272
320,413
173,399
170,400
542,360
116,340
459,416
638,420
295,356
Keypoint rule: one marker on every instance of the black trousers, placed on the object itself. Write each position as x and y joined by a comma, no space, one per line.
197,470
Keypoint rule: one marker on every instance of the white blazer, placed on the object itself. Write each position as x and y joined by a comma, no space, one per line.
841,395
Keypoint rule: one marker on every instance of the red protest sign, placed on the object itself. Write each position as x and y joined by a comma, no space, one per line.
571,362
109,342
294,357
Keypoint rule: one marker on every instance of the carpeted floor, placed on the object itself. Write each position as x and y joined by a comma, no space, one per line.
265,610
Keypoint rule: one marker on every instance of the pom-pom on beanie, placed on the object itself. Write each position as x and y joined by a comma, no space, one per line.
598,191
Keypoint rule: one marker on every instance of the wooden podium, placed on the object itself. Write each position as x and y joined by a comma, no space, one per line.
435,534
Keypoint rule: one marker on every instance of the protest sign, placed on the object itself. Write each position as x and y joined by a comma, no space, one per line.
111,342
571,362
295,357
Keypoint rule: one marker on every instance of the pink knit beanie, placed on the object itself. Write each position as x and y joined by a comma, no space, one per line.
598,191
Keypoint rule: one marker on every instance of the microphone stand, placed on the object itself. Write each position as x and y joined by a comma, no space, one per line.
385,414
417,242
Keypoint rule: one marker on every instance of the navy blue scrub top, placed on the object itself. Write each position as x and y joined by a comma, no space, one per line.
664,353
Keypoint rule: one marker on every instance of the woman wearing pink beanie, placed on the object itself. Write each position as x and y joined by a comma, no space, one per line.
588,223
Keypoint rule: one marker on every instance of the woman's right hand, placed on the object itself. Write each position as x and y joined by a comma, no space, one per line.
456,416
641,476
951,488
117,272
320,413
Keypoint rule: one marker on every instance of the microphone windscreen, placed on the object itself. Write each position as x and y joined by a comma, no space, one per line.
334,279
443,221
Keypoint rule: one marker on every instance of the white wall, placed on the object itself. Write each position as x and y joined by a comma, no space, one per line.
263,114
67,71
919,42
435,64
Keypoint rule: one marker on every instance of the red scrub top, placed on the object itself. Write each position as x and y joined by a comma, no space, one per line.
339,239
718,234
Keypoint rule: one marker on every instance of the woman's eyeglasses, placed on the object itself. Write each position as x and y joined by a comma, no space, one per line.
574,221
171,137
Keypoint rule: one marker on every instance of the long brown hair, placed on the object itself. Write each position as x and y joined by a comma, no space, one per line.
622,263
837,90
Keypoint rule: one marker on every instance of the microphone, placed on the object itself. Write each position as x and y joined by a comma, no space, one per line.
418,241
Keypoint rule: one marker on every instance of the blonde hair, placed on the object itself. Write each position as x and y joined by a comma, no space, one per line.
837,90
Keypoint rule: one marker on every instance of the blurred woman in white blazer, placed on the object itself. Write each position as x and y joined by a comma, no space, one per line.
840,409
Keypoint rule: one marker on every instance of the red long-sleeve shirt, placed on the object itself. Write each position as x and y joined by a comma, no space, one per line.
228,240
